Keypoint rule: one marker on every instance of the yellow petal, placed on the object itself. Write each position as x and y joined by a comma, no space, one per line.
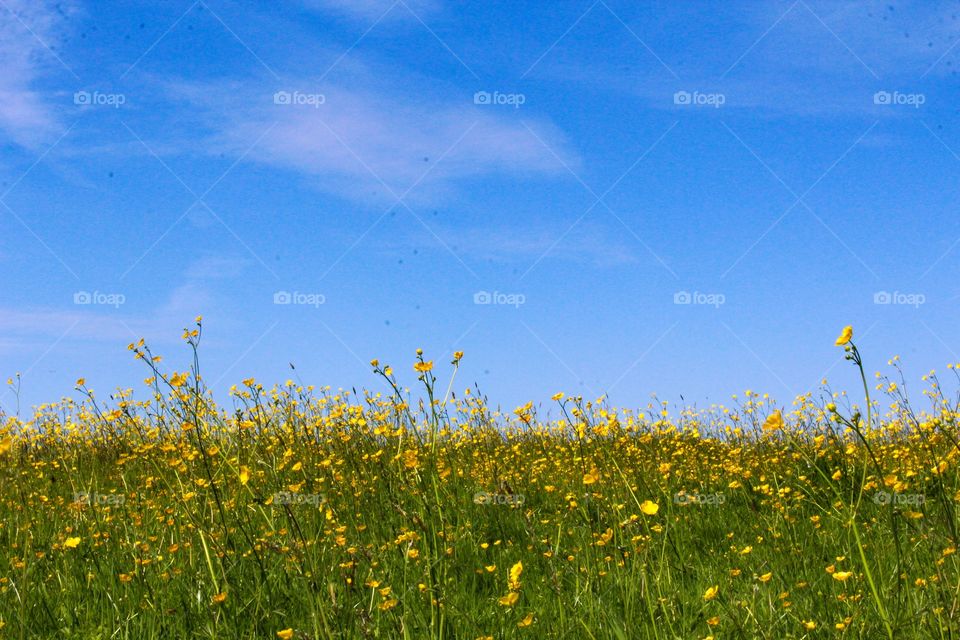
649,508
845,336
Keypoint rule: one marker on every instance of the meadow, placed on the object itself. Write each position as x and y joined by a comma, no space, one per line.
299,512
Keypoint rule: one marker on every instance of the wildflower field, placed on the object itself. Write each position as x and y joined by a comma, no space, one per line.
301,512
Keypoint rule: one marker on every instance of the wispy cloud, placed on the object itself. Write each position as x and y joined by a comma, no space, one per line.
374,146
812,58
373,9
30,32
216,268
106,324
594,243
589,243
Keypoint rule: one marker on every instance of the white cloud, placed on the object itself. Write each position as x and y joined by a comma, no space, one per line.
117,326
895,41
215,268
374,9
587,243
522,243
813,59
369,145
29,29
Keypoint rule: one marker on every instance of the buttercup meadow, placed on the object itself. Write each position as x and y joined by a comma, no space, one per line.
479,320
412,510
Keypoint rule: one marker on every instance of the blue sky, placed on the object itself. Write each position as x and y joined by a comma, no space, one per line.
783,168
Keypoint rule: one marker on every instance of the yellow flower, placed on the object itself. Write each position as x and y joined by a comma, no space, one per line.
711,593
526,622
286,634
244,475
410,459
220,597
178,379
510,599
842,576
649,508
592,476
845,336
765,577
513,582
81,382
423,367
71,543
774,421
386,605
809,625
557,396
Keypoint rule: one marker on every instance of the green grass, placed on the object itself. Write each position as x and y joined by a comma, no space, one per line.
183,504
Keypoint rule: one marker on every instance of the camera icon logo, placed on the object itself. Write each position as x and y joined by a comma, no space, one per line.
882,297
881,498
882,97
282,297
81,97
682,297
482,297
281,97
681,97
82,297
482,498
481,97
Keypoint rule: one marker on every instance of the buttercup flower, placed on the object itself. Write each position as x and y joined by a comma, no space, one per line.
845,336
